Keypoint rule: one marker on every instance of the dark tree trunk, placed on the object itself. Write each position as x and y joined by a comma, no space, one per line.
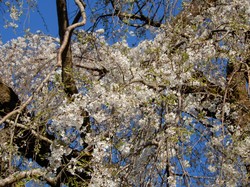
67,60
8,99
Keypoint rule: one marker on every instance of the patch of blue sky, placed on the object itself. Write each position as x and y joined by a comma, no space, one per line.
24,164
73,135
39,183
75,139
162,180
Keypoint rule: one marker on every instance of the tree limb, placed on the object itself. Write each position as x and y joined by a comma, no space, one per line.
17,176
25,104
31,130
68,31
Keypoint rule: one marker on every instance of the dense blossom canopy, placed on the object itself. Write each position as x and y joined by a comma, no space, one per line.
162,113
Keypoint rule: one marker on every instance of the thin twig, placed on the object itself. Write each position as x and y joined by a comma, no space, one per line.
32,131
24,105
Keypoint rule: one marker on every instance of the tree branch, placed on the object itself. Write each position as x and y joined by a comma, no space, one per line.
143,18
24,105
136,16
31,130
17,176
68,31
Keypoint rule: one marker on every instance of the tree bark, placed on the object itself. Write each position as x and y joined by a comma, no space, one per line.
67,60
8,99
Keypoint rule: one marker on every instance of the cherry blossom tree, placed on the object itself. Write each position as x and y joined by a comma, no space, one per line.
172,111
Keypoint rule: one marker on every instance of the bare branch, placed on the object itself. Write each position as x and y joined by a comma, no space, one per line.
136,16
102,71
146,20
17,176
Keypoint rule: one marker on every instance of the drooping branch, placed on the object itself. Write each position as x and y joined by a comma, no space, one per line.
29,100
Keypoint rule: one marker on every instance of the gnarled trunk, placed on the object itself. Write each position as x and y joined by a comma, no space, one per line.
8,99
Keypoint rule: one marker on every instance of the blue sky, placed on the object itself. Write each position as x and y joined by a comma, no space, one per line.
44,18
